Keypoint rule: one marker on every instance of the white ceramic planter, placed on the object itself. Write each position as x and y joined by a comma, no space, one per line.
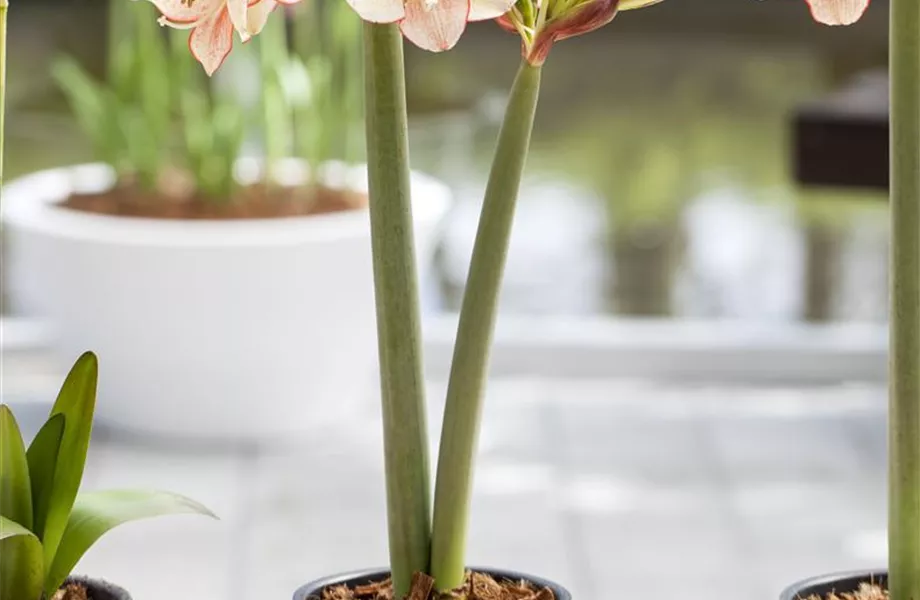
250,329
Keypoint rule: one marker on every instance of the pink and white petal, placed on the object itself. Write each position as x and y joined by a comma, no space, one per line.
183,11
238,9
435,25
164,22
288,2
837,12
258,15
212,41
379,11
483,10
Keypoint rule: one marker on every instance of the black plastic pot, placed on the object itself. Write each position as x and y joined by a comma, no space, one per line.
838,583
98,589
314,589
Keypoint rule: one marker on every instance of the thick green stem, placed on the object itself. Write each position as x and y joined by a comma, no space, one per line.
398,328
4,8
474,335
904,408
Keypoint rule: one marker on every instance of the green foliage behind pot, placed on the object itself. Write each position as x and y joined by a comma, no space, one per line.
157,111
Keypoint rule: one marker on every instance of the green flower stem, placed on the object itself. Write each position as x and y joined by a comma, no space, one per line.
305,24
272,54
904,409
474,335
117,25
404,422
349,91
4,8
306,27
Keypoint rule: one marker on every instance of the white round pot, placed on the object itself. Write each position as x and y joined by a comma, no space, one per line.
237,329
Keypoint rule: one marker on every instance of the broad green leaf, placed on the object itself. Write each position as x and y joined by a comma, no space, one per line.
21,567
42,456
10,528
76,402
15,489
95,513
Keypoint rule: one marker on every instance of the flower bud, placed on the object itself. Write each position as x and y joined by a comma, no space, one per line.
541,23
583,18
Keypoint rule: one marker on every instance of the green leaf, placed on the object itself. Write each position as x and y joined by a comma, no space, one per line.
86,98
15,489
154,72
76,402
95,513
21,567
10,528
42,457
124,69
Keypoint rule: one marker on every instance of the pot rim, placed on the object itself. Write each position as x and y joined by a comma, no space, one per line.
305,592
793,592
30,203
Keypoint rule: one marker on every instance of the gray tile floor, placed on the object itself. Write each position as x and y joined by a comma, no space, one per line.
618,489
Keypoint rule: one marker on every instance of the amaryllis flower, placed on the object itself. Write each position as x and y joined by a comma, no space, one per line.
837,12
541,23
434,25
212,23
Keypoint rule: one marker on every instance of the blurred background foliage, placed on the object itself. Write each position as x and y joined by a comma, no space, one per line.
659,184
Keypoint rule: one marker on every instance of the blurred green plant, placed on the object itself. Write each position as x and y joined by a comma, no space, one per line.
156,112
126,120
45,524
312,88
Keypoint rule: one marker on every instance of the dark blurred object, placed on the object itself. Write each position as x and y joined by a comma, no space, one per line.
842,140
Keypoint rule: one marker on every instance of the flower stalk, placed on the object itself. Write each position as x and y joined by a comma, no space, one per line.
904,365
398,323
469,367
273,51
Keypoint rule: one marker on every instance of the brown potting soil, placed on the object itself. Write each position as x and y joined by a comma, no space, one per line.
866,591
71,591
478,586
256,201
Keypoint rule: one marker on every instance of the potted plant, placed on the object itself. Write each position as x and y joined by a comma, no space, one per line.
427,555
248,280
901,581
46,523
540,23
427,548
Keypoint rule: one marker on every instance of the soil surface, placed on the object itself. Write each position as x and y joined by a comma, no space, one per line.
250,202
866,591
71,591
478,586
